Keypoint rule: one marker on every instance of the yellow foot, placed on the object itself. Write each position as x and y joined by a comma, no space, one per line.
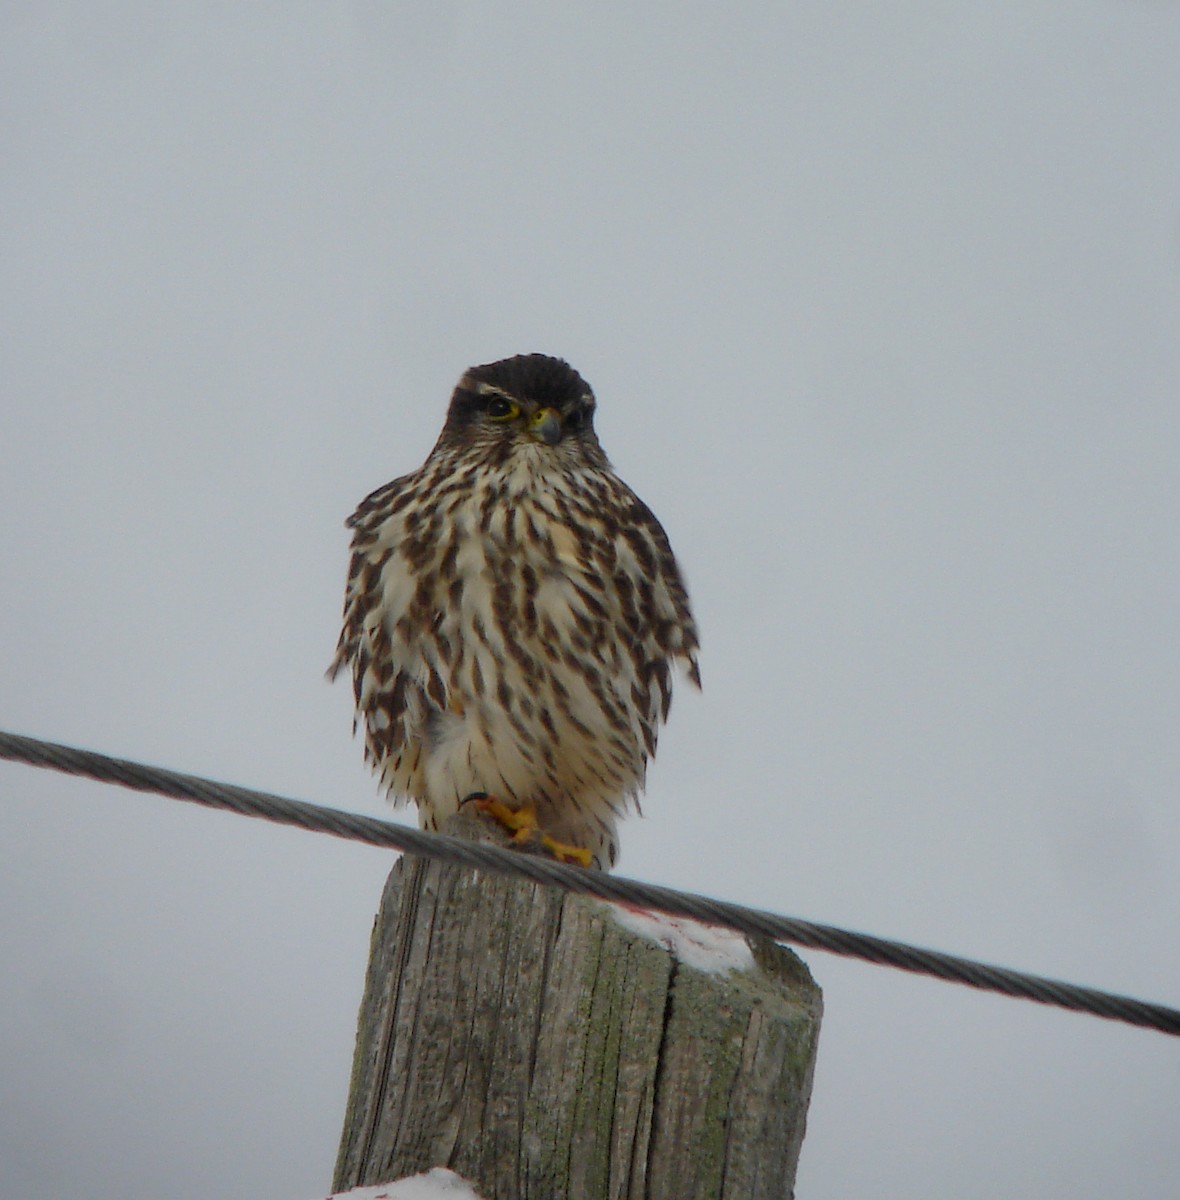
522,824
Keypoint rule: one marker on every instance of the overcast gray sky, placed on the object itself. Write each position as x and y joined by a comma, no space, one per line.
881,304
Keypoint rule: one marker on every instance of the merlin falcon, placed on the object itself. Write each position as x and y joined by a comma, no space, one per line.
513,618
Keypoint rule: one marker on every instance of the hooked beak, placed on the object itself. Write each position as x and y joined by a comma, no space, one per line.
545,426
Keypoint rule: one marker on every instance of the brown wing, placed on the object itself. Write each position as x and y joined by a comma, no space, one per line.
388,701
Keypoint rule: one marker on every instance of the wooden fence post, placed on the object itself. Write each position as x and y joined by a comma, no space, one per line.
548,1046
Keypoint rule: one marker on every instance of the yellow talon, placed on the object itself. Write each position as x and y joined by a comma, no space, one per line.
522,823
564,852
518,820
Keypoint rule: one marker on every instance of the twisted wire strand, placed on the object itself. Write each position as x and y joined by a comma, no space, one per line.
374,832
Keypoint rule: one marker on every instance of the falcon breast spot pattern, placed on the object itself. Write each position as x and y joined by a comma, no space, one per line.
513,616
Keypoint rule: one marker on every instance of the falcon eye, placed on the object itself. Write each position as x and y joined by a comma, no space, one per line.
500,408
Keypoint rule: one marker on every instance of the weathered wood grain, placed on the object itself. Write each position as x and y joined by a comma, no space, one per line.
524,1038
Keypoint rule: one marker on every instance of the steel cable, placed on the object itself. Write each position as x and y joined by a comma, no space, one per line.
374,832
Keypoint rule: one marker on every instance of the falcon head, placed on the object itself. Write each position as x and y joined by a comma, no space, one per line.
529,400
